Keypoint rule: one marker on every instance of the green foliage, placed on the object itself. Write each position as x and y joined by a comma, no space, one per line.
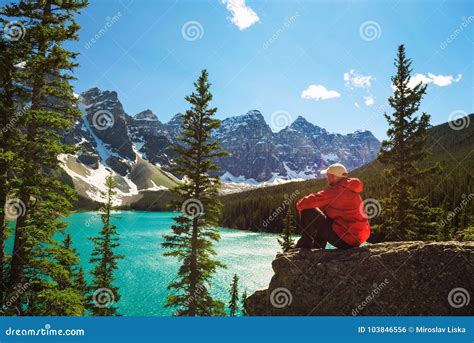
234,296
289,227
11,110
39,103
405,215
104,257
195,229
244,297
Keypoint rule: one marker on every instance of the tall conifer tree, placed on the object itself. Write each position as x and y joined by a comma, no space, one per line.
195,229
234,296
244,297
406,216
13,97
52,107
105,293
286,241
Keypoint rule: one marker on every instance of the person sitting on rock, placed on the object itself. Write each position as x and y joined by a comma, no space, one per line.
335,215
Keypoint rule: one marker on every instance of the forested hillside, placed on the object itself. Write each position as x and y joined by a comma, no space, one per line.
263,209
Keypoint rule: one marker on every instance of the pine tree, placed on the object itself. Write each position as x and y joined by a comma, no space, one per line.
234,296
13,52
285,240
75,274
58,295
244,297
81,285
44,73
195,229
404,215
105,258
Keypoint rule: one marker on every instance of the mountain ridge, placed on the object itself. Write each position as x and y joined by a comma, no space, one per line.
109,137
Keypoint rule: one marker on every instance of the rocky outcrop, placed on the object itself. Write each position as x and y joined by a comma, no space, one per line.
397,278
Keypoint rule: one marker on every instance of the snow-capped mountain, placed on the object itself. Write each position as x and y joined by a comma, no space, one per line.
111,141
137,148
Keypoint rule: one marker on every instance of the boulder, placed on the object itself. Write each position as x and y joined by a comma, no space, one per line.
91,160
389,279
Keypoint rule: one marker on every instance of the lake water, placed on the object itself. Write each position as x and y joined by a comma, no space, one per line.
144,273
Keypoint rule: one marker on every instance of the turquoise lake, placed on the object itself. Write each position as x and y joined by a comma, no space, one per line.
144,273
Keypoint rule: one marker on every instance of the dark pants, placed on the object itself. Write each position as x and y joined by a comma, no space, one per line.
316,230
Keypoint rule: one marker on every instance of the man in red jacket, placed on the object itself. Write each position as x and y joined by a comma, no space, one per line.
335,215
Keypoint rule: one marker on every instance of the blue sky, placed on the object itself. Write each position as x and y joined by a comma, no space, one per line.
329,61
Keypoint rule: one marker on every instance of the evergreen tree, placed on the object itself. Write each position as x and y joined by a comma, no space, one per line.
406,216
44,73
81,286
75,274
285,240
13,52
234,296
59,295
105,259
195,229
244,297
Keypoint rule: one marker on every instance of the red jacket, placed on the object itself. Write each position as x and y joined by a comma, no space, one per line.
342,203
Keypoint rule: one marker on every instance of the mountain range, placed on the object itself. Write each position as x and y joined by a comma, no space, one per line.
136,149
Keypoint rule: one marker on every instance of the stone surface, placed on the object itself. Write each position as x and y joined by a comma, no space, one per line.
396,278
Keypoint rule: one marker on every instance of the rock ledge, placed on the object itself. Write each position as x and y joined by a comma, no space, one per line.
396,278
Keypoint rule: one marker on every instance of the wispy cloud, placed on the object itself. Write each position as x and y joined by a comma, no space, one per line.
353,79
242,15
319,92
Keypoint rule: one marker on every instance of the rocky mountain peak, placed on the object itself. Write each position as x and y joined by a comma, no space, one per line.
95,95
302,125
146,115
252,115
256,153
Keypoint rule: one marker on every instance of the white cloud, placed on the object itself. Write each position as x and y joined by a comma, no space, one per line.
242,15
352,80
319,92
356,105
444,80
438,80
369,100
